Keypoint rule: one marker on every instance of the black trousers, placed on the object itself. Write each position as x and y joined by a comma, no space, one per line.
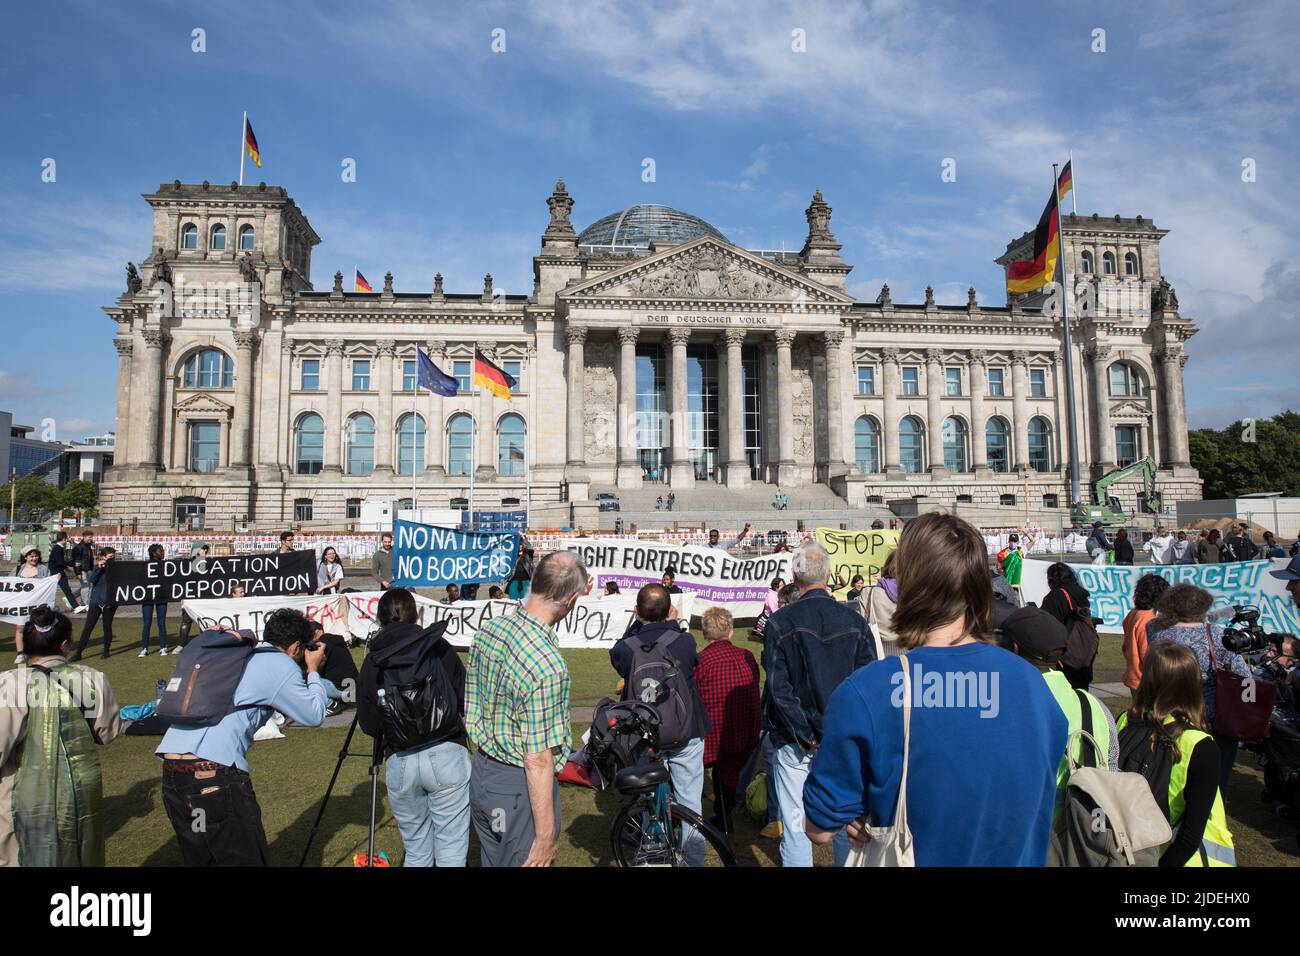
216,818
67,591
92,618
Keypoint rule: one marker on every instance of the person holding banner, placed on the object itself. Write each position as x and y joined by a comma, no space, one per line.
100,605
150,612
329,573
29,566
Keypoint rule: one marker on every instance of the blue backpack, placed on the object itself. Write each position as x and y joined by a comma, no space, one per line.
201,690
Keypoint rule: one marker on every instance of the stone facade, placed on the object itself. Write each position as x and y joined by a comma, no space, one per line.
243,391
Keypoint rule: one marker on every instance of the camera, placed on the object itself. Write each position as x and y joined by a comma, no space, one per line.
1242,634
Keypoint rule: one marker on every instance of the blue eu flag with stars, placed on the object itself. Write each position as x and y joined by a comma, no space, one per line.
434,378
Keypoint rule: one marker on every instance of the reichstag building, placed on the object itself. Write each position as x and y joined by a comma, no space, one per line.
652,354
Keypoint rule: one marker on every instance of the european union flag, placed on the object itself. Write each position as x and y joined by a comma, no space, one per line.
434,378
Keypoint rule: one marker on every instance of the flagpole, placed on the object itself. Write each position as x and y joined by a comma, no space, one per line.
473,466
1074,193
528,481
243,137
1071,426
415,394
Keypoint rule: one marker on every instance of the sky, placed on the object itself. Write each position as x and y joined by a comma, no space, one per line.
460,117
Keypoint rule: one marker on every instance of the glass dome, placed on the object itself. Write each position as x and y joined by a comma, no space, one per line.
634,228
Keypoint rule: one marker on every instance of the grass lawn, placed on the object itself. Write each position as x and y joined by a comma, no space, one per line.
290,777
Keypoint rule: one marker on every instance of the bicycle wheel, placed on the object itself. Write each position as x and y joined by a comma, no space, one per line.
640,838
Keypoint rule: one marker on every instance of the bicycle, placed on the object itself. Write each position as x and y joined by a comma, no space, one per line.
653,829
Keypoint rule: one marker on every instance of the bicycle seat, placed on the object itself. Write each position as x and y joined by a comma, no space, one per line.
644,776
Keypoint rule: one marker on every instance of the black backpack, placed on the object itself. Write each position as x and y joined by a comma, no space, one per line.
657,679
1142,750
613,750
417,703
201,690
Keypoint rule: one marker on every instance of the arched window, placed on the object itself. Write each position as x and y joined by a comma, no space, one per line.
954,444
210,368
460,445
511,453
1108,263
1124,380
1040,444
189,236
866,445
995,436
245,237
217,241
911,444
1085,261
360,444
410,444
309,445
1130,264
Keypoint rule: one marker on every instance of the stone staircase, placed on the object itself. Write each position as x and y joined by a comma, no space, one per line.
727,508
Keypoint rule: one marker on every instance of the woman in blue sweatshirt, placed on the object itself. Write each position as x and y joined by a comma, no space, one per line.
986,737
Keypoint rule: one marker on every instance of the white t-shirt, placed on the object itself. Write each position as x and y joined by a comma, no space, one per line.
1160,549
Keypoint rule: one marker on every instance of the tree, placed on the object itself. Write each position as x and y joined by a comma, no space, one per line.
1249,457
79,495
34,498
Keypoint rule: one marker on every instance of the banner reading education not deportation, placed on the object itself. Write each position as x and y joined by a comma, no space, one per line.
712,575
19,595
1237,582
857,552
425,556
180,579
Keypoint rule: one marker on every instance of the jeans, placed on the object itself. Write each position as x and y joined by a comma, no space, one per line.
428,792
147,612
791,771
766,755
216,817
686,770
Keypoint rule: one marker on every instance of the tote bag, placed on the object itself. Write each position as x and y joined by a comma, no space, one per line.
892,846
1234,714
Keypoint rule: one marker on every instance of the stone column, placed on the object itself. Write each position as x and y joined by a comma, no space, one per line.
629,469
385,426
1170,359
1099,356
934,387
334,408
889,427
576,467
242,426
150,407
836,462
486,466
681,473
736,470
979,444
785,464
1020,407
435,425
121,455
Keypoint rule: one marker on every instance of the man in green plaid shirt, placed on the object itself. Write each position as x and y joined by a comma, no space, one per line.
517,714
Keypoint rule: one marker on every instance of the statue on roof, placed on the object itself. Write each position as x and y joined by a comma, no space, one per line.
133,281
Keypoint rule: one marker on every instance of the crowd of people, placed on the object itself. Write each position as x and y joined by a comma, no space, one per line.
931,691
1182,547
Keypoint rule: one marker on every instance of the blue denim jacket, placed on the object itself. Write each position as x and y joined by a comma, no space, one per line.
809,647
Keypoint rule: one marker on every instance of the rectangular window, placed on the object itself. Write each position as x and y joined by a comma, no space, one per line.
995,382
408,375
1126,445
361,375
1038,383
952,381
866,380
514,371
911,380
205,447
354,508
302,509
460,369
310,375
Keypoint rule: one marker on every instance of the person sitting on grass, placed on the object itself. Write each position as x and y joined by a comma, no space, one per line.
57,716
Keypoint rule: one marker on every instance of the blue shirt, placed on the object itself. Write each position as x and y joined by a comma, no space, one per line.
987,738
271,682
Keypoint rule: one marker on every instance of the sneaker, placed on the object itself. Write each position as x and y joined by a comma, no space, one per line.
772,831
143,653
20,659
163,652
81,609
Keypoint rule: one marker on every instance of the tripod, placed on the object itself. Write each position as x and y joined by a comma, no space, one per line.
376,758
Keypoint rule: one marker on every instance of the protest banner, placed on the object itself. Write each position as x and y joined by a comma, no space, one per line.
425,556
1238,582
175,579
250,613
712,575
857,552
19,595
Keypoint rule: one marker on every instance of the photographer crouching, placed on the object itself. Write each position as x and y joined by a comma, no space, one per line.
411,697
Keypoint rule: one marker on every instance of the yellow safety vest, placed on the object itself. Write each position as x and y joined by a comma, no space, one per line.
1068,701
1216,841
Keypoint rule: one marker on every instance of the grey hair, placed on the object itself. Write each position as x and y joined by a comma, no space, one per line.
811,566
558,577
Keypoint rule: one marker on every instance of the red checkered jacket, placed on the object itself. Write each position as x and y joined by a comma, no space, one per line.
727,678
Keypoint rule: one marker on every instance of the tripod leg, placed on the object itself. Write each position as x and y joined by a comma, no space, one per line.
375,761
343,754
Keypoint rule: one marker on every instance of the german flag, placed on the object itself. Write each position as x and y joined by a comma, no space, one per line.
359,284
1032,274
1064,182
492,376
250,144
